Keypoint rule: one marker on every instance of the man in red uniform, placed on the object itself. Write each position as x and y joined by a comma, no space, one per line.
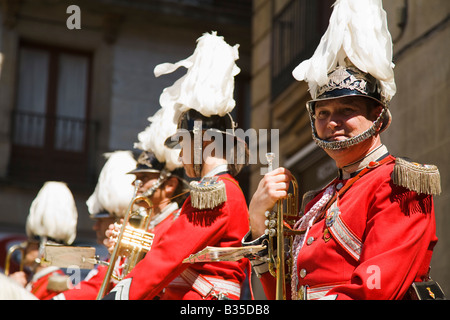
215,213
370,233
106,205
52,220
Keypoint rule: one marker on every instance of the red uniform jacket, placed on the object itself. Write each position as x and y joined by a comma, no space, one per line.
396,228
192,231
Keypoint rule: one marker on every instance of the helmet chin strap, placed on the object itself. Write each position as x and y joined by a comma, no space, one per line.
338,145
198,170
198,153
163,176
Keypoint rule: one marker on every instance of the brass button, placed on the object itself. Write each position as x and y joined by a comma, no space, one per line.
302,273
310,241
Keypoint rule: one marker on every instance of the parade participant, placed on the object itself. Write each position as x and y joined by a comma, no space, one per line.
52,220
160,170
112,193
106,205
215,213
161,175
370,233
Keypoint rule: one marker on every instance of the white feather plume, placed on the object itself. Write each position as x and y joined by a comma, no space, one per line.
53,213
208,85
114,189
12,290
358,31
162,125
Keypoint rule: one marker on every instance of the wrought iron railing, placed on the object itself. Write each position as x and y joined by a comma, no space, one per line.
48,148
28,129
31,129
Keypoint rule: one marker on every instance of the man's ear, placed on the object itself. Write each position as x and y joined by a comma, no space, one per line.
171,185
375,112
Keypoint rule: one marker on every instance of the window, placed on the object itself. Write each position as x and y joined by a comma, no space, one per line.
297,30
51,119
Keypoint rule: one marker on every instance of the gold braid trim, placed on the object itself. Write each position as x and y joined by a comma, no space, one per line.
208,193
421,178
307,197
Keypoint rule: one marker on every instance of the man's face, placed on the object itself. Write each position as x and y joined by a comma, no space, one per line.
344,118
31,253
148,180
100,226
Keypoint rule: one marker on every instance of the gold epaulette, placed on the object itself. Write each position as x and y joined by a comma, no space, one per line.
421,178
208,193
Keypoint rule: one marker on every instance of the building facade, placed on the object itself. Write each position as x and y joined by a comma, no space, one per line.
77,81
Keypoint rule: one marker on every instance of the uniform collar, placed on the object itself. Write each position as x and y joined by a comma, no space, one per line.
171,207
222,168
352,169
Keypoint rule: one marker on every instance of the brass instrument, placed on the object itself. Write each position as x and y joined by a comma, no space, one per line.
279,226
132,243
14,248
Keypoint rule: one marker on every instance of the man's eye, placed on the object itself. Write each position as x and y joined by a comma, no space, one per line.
348,111
144,179
321,114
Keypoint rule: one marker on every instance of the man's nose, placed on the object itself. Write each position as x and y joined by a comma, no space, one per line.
335,121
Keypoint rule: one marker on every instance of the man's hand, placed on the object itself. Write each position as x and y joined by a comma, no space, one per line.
111,236
273,187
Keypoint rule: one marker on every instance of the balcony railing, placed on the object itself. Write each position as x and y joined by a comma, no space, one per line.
51,147
33,129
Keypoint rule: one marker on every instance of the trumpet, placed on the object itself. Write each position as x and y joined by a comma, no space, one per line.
132,243
21,247
280,229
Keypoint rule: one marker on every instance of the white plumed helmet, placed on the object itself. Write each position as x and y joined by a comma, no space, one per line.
53,214
353,58
114,189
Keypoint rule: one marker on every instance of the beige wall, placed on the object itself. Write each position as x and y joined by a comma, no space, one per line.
420,108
